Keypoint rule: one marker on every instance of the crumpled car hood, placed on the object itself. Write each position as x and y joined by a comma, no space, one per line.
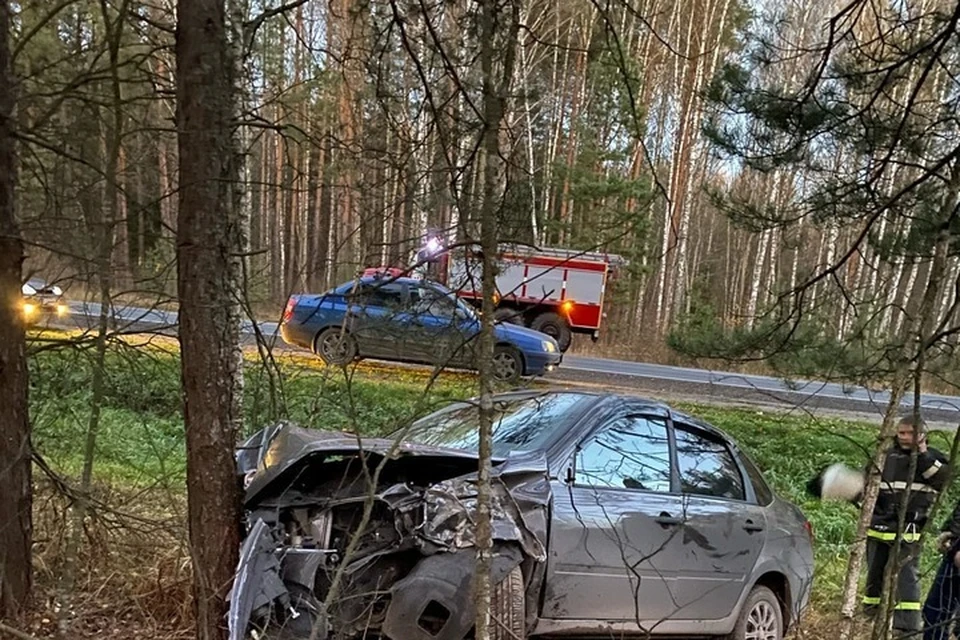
309,487
275,449
270,452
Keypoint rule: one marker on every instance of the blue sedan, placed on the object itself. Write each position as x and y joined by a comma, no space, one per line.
412,320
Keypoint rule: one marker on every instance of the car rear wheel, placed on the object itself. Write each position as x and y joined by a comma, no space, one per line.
507,364
554,326
335,346
761,617
508,608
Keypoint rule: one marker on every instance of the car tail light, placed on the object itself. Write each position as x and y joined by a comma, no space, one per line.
809,528
288,310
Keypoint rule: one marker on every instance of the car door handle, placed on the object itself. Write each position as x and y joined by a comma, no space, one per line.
750,525
666,520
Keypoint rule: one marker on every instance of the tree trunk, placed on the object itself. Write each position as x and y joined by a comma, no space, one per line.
16,534
209,241
494,107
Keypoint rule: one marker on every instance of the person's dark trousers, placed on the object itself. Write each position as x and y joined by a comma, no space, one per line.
943,602
906,613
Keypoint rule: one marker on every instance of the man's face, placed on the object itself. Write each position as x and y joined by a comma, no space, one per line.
905,435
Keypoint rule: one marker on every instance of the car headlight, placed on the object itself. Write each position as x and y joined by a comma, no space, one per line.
29,308
549,346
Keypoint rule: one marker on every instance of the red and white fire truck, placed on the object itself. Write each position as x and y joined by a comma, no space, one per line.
557,291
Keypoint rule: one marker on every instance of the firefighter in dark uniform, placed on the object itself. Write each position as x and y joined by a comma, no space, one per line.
930,476
943,601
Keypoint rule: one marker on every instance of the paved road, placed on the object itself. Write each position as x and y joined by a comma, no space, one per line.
636,375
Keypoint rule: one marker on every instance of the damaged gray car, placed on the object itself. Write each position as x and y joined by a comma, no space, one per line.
611,515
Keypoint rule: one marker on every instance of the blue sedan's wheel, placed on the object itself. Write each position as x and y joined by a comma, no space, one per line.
507,364
335,346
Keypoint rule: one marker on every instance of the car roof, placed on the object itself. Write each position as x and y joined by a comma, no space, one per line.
641,403
385,280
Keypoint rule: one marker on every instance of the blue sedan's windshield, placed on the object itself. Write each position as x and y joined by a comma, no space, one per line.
519,424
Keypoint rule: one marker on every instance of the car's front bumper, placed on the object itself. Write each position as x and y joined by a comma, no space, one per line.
541,362
34,308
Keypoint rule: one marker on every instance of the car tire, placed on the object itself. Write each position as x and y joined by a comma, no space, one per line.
335,346
508,607
508,316
507,364
554,326
760,617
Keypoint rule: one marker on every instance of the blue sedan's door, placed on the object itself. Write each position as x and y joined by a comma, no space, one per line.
444,336
375,318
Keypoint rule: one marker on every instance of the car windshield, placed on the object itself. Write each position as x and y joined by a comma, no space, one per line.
519,424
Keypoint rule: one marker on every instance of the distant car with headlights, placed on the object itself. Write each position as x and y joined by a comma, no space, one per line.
383,316
42,300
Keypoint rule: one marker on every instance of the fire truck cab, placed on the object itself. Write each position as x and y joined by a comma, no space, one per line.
556,291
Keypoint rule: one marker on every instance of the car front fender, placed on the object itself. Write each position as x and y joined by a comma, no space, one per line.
257,582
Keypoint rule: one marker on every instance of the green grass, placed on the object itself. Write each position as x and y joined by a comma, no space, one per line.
140,436
140,441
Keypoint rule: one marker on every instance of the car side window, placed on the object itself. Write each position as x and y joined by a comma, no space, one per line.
706,465
388,296
632,453
427,301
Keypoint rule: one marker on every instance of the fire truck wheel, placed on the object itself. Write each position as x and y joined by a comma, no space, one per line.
554,326
510,316
507,364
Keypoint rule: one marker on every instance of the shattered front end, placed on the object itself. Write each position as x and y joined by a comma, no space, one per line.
349,539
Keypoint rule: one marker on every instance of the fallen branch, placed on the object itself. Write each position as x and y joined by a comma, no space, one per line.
16,633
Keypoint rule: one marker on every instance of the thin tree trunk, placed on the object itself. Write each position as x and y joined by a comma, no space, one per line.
494,100
16,534
119,222
528,117
558,119
105,230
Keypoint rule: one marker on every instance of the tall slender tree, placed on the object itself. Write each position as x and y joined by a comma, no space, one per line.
16,524
209,246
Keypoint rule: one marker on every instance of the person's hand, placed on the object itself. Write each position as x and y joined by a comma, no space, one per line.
944,541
